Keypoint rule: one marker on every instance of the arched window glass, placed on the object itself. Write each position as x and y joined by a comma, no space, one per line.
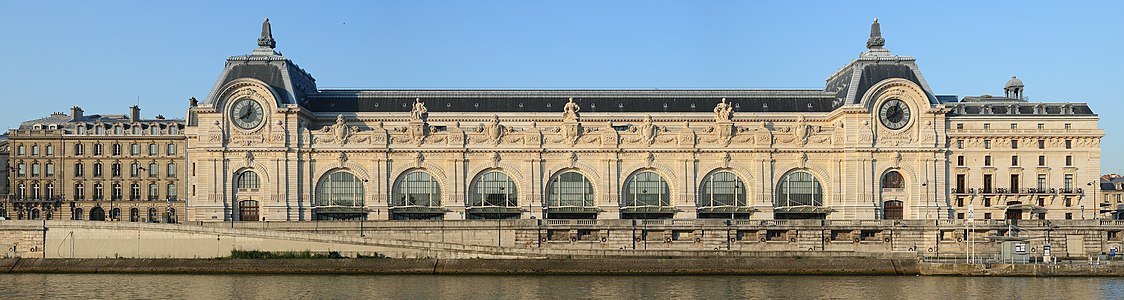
417,188
493,188
570,189
722,188
134,214
77,214
340,188
893,180
799,189
152,215
248,180
646,189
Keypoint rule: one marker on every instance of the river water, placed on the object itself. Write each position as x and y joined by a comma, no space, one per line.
106,286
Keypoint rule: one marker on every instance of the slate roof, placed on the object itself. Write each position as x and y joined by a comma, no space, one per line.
553,100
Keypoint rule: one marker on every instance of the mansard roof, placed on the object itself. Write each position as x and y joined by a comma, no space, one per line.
62,120
552,101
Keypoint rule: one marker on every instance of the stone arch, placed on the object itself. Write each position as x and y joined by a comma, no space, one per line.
433,170
898,88
256,167
820,174
246,87
511,170
355,169
587,170
588,173
672,188
472,180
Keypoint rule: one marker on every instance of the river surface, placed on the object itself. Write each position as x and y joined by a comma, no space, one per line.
105,286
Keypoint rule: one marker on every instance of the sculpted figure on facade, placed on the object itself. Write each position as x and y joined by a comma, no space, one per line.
723,112
419,113
570,111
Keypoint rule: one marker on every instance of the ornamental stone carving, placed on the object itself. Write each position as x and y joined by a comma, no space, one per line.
723,112
419,113
570,111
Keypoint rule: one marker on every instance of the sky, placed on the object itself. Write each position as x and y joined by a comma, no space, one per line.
108,55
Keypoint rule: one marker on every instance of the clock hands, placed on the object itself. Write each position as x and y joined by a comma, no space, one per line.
246,113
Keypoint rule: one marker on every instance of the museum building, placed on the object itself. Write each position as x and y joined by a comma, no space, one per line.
875,143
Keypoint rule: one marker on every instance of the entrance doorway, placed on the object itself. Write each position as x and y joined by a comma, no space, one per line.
248,210
892,210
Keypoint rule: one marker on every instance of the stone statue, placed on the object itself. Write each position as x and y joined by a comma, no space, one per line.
570,111
419,113
723,112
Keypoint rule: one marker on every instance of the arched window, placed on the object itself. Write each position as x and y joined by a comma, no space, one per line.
77,214
79,191
35,191
340,188
417,188
493,188
152,217
153,170
50,191
134,192
893,180
646,188
117,191
171,215
722,188
115,214
23,191
570,189
134,215
248,181
799,189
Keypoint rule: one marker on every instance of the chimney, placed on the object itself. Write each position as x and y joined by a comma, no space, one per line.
76,113
134,113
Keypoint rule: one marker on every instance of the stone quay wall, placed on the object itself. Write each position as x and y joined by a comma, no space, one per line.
561,238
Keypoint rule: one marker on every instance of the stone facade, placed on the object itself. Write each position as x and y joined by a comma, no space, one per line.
97,167
875,143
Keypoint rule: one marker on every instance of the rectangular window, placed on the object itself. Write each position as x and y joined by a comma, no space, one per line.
98,149
1068,161
50,150
960,216
987,161
171,149
1069,216
1014,144
1068,183
1041,184
171,170
152,149
116,149
987,183
1041,144
1041,126
78,170
1014,161
960,183
959,144
987,126
959,202
987,216
1014,183
960,160
172,191
1069,144
1042,160
987,144
1068,126
959,125
135,150
1014,126
21,170
50,169
987,202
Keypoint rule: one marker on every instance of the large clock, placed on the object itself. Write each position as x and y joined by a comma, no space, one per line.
894,114
246,114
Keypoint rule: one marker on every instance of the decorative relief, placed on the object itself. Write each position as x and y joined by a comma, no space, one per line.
277,134
494,133
723,112
648,133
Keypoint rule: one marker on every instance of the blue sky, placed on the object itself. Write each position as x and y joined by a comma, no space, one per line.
104,55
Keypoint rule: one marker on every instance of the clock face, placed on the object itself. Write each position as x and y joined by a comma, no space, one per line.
246,114
894,114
